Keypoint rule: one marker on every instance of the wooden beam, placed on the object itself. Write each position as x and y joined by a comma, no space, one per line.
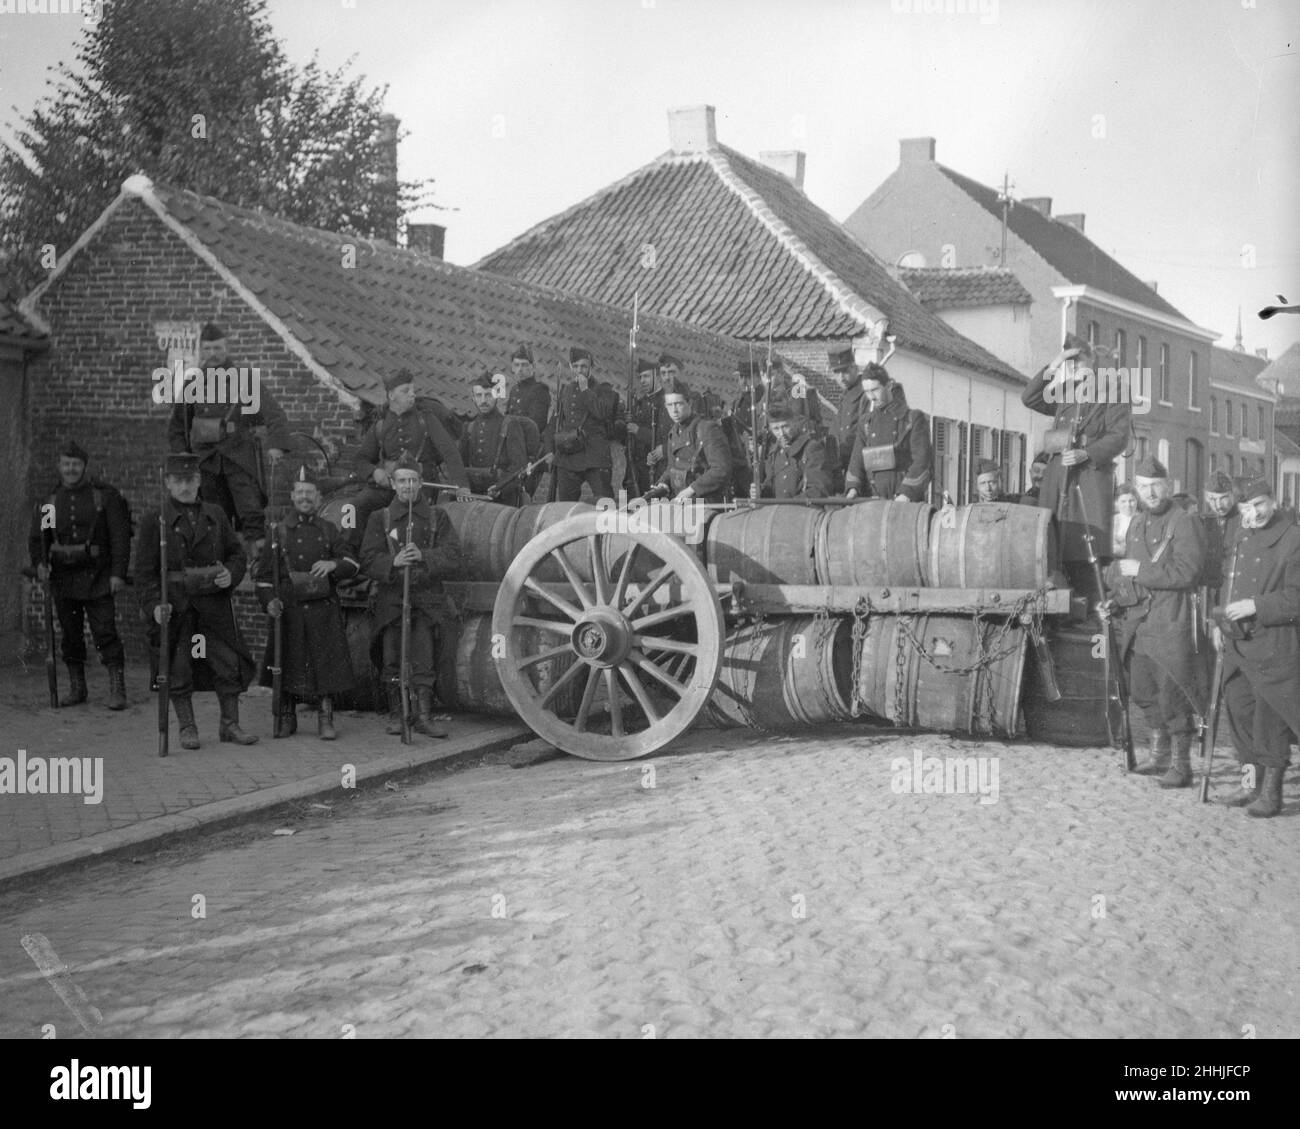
804,599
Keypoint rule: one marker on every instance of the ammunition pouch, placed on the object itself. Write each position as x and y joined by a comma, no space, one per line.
78,555
207,431
1058,439
570,440
307,586
1127,593
198,581
879,458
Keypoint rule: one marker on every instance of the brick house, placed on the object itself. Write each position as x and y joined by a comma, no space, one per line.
1241,415
925,214
324,317
705,234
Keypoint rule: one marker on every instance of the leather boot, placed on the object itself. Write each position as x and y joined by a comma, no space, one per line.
184,708
116,688
1180,768
1158,762
325,720
1243,795
76,685
394,726
1269,801
424,723
229,729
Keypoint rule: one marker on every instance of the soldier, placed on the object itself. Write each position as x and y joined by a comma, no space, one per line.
1152,587
778,387
205,561
1260,637
795,466
222,436
847,418
406,426
493,447
529,397
699,459
588,416
81,542
1083,444
434,553
1036,471
648,421
891,456
988,483
315,660
1221,523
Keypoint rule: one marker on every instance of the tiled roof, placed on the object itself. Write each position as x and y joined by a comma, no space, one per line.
1071,252
401,309
940,288
1284,369
737,248
1232,367
1284,446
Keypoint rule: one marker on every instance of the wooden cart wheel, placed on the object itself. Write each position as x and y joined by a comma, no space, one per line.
639,660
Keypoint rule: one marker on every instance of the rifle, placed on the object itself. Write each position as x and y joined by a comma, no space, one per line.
404,670
1210,723
277,637
629,471
755,485
1114,660
553,486
47,593
164,633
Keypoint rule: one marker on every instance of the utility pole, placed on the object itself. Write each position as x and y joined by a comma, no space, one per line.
1005,197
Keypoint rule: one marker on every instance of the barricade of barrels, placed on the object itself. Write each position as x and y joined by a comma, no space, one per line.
945,671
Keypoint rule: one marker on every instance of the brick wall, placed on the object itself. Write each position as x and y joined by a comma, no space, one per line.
95,383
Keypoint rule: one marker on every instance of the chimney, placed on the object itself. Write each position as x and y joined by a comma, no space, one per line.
1262,353
915,150
1155,286
1040,204
788,162
386,172
691,129
1074,219
427,238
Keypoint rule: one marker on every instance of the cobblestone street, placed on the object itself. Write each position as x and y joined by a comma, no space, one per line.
740,886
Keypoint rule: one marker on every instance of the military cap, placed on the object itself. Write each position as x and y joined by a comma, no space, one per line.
645,366
183,465
212,332
779,412
987,466
841,360
577,353
1256,488
876,372
400,377
307,475
666,359
1150,467
1219,483
406,461
523,353
483,379
676,386
74,450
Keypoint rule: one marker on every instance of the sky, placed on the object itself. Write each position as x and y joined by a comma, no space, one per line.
1174,125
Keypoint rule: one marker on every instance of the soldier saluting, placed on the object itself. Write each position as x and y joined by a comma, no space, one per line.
1260,636
432,556
587,417
314,660
81,541
891,456
795,466
205,561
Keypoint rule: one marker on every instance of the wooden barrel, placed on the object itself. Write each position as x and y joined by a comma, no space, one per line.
1079,718
992,545
368,690
785,673
875,543
468,675
533,519
763,545
901,685
486,532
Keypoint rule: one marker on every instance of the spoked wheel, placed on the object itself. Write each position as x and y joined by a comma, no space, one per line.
635,626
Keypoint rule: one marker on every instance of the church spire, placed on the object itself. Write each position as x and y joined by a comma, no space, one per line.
1239,347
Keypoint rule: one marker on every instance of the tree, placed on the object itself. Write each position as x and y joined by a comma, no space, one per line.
196,94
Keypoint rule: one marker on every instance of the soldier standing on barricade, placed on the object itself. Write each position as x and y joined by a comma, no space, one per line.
587,416
699,458
1151,590
432,556
406,426
205,561
1084,441
492,447
891,457
1259,624
795,466
80,542
988,483
230,454
315,662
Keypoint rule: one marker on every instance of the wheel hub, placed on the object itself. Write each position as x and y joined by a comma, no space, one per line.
602,637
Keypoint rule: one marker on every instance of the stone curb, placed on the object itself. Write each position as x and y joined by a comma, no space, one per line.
238,808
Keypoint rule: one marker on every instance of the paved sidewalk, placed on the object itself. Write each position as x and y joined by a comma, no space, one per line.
144,798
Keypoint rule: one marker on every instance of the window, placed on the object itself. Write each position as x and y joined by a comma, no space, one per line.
1142,353
1121,349
1227,419
1214,463
1261,432
1243,420
1143,448
1094,333
1227,462
1193,388
1214,417
1166,391
1162,452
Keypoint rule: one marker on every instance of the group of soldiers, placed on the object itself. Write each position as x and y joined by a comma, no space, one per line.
683,445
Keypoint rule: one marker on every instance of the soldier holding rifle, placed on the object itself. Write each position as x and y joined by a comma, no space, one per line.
205,561
795,466
1152,588
432,556
699,458
312,559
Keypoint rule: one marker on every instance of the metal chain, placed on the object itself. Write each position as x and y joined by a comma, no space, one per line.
861,610
902,715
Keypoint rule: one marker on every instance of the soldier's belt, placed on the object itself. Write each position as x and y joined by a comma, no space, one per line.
75,555
308,586
197,581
